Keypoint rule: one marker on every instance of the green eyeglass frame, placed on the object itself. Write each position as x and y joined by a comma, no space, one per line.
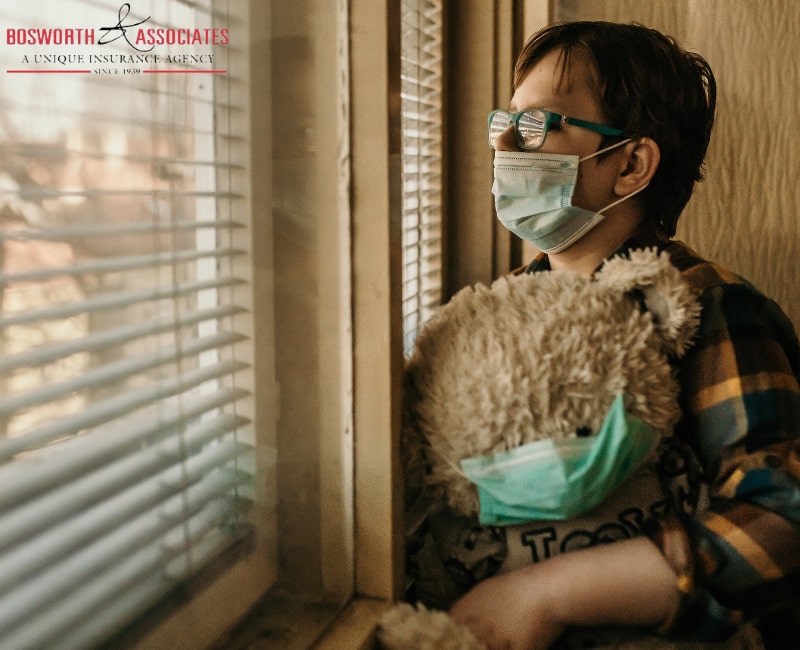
532,124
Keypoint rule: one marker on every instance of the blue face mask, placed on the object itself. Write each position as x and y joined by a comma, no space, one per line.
560,480
533,197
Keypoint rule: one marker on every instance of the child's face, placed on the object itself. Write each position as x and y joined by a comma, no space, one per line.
574,94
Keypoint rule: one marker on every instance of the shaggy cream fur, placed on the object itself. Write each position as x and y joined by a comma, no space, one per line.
542,356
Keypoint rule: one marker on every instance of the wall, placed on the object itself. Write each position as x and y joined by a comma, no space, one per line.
744,215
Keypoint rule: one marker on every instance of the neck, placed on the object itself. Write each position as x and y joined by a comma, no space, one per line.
585,255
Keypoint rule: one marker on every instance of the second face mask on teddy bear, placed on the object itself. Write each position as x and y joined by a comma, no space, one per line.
550,479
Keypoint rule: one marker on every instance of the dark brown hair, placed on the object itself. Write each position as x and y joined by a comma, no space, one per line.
648,86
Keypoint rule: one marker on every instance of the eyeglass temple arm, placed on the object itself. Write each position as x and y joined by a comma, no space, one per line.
597,128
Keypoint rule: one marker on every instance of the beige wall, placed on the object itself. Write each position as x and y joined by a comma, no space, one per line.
745,214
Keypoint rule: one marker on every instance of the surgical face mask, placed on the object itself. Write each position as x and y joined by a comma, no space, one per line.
533,197
560,480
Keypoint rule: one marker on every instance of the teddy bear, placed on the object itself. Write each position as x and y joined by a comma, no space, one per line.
523,373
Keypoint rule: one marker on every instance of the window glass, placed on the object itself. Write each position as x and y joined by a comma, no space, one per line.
133,459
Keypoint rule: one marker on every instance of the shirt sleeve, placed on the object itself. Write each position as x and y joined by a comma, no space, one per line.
741,416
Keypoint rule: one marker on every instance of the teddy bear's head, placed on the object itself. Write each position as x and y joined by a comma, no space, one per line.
542,356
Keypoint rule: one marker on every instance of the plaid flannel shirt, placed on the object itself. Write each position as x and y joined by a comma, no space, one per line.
740,401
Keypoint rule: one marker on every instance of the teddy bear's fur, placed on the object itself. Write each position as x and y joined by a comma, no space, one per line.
539,356
534,356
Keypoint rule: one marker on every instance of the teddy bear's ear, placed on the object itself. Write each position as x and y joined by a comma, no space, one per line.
648,274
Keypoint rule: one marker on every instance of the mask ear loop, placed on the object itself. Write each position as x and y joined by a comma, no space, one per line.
604,149
624,198
627,196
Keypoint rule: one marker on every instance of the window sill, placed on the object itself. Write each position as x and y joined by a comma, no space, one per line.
284,624
355,626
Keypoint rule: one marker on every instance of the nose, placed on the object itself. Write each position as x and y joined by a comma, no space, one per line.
506,141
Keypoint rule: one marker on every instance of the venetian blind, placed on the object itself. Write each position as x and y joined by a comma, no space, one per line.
421,92
125,451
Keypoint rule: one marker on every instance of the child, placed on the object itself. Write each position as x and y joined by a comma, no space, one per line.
611,124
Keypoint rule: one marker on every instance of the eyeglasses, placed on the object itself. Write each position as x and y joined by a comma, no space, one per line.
532,124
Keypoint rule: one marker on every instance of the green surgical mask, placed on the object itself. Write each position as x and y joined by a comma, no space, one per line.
559,480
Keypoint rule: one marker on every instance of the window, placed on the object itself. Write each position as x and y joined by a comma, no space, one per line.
421,74
128,441
200,287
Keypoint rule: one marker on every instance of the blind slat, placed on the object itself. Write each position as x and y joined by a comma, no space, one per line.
113,407
116,300
61,152
28,562
48,353
79,231
118,264
114,372
70,500
85,594
45,193
421,108
50,468
94,623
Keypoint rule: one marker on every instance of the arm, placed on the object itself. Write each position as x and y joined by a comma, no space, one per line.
625,583
741,403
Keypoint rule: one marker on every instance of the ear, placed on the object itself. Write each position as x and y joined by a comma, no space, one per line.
638,165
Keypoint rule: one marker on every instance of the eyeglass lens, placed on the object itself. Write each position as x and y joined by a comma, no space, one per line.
531,127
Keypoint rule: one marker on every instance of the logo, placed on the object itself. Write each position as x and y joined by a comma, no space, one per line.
120,30
101,49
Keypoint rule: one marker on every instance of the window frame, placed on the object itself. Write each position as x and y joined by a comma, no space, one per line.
377,294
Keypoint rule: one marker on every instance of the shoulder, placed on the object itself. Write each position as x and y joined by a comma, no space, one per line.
721,289
735,314
701,274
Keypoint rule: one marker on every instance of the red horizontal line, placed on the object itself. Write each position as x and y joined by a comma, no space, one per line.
48,71
184,71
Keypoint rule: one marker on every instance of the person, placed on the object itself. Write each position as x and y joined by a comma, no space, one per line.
598,153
